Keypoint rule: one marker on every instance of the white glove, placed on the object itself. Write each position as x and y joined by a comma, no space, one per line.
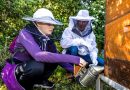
83,50
82,63
85,43
90,65
77,41
94,61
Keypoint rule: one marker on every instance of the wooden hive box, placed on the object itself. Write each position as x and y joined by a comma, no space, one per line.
117,41
116,8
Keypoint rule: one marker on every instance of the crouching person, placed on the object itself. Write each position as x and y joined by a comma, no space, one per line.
34,55
78,38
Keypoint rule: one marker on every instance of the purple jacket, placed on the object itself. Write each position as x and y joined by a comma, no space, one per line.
32,50
27,49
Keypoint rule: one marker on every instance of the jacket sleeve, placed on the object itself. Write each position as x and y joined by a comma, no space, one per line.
94,51
33,49
67,40
67,66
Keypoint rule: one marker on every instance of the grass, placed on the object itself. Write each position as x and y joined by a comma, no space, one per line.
62,83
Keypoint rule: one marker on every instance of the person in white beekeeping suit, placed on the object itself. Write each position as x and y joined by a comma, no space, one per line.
78,38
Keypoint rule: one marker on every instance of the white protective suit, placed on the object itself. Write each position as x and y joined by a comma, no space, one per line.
70,38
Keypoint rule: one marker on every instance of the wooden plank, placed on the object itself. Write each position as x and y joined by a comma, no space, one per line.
116,9
117,50
117,39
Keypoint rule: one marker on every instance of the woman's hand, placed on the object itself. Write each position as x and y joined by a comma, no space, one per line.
82,63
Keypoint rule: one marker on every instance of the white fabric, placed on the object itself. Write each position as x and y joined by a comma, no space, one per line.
82,15
43,15
71,39
42,12
83,50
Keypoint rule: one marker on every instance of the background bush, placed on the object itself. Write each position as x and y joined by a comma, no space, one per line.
12,11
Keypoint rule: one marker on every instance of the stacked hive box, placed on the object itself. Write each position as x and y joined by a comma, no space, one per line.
117,41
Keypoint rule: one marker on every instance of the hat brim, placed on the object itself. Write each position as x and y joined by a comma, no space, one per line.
82,18
43,20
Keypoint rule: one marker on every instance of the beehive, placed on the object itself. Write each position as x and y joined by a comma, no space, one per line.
117,41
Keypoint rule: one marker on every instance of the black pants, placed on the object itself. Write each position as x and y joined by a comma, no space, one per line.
32,72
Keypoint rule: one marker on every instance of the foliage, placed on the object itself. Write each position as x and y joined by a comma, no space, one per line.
13,10
97,9
4,54
3,87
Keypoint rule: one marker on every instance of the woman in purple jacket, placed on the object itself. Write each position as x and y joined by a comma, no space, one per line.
35,55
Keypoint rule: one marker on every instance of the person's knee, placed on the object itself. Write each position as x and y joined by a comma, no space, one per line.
37,68
73,50
33,68
29,72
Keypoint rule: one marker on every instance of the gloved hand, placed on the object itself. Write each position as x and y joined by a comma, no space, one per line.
85,43
82,63
94,61
76,42
83,50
